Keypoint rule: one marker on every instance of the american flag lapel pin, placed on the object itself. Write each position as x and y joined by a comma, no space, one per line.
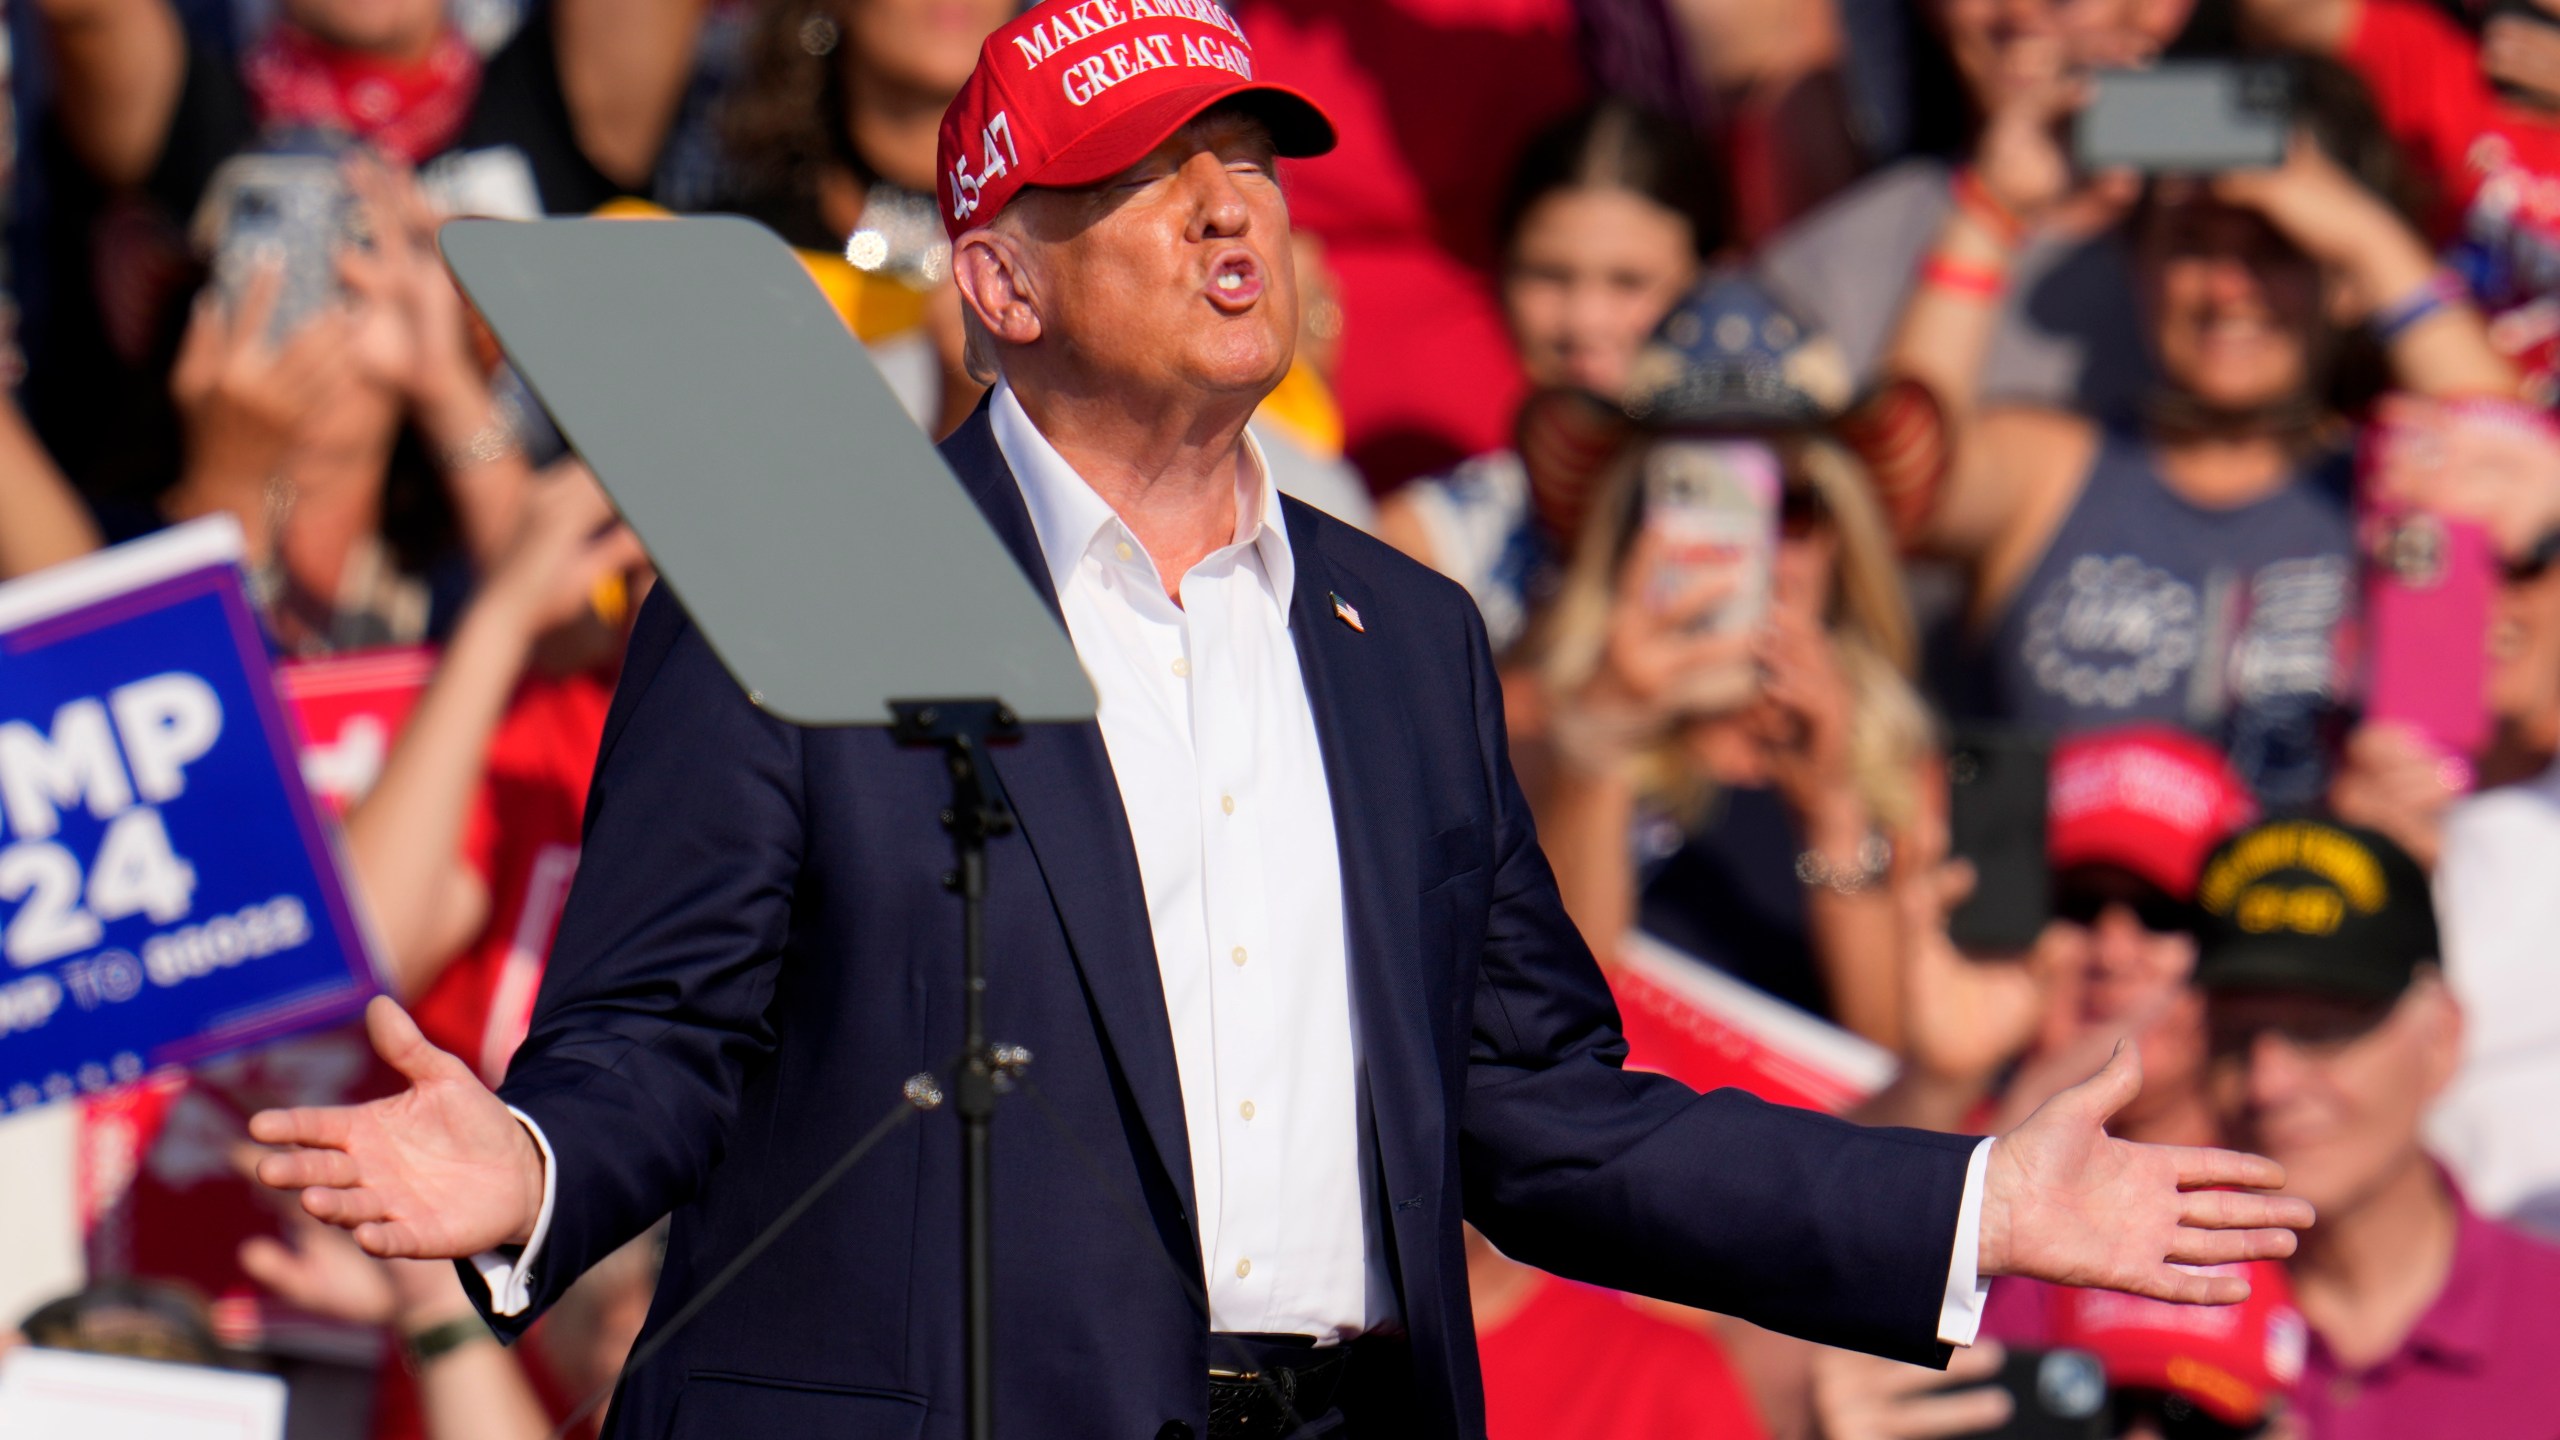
1342,611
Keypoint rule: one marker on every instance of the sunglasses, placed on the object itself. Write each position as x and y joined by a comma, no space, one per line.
2172,1417
2533,564
2152,910
1801,511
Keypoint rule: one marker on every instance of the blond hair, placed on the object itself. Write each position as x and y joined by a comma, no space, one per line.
1867,615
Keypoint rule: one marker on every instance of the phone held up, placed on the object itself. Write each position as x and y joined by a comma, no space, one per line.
292,211
1997,783
1712,505
2187,117
2430,582
2054,1394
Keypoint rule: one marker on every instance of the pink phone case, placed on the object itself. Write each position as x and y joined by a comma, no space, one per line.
1714,503
2429,586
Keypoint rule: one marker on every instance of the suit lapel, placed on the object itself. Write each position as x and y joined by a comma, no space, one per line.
1060,784
1368,739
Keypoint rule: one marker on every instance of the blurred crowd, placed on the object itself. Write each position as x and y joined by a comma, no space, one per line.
2003,605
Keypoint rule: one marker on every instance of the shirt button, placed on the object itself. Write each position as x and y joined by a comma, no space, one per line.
1243,1268
1181,668
1237,955
1227,803
1245,1110
1123,551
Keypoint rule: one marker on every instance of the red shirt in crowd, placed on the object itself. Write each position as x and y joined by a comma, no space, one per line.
523,842
1584,1363
2494,165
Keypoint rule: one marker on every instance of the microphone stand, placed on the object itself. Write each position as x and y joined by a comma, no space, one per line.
963,729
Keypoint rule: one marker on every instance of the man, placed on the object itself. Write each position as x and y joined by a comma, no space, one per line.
1367,1017
2133,812
2332,1033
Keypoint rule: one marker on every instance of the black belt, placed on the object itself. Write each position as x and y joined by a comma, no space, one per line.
1264,1387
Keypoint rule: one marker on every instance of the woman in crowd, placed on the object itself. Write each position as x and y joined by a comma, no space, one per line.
304,439
2067,328
2195,569
1608,220
150,102
1751,828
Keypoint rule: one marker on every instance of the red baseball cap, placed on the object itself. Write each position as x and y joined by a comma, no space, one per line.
2143,798
2229,1361
1076,91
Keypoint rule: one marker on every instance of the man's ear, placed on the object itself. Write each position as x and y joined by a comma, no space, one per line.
996,284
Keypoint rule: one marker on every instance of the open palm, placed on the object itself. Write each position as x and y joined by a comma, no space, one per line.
2066,1202
441,1170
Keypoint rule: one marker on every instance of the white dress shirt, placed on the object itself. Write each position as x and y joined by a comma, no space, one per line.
1213,744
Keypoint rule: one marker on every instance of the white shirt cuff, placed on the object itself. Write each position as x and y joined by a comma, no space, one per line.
510,1282
1959,1317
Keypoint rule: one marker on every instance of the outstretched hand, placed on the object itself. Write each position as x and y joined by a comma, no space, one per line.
2064,1201
439,1171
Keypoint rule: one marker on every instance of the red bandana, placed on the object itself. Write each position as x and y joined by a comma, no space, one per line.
411,110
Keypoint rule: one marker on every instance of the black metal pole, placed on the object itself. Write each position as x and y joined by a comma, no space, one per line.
963,729
977,1106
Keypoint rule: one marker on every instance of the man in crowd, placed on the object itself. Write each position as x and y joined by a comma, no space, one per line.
1296,801
2132,815
2332,1033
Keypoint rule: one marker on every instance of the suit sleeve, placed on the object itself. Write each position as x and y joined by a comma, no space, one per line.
1790,1219
652,1009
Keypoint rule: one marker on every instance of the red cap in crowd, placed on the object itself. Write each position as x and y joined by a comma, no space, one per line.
1076,91
2229,1361
2145,798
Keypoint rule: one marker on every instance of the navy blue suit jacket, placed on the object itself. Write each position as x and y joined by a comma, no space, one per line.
759,950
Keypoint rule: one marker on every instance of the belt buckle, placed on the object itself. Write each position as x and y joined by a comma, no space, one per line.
1255,1405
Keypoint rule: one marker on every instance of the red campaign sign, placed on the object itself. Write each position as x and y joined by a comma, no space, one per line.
1686,1019
157,1192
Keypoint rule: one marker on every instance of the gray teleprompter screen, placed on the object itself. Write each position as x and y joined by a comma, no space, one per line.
828,554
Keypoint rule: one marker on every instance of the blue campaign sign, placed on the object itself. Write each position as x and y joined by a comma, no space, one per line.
166,890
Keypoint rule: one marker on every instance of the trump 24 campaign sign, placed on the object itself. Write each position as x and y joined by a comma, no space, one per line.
167,892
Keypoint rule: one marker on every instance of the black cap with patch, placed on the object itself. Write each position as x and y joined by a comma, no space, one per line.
2312,905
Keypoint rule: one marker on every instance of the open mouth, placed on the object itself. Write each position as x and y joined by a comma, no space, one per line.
1235,282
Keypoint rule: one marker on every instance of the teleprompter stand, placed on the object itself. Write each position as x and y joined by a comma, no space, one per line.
963,729
783,492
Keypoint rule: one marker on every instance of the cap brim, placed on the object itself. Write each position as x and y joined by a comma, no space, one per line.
2245,966
2171,1370
1299,129
2102,845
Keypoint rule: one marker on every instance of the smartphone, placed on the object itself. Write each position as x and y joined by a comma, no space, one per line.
1998,783
294,211
2187,117
2430,584
1712,503
2055,1395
